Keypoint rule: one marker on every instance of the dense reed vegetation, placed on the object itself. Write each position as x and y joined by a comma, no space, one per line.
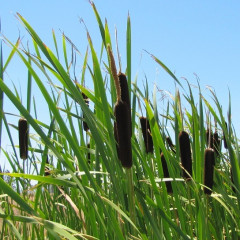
106,165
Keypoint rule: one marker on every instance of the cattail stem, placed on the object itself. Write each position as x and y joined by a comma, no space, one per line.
114,72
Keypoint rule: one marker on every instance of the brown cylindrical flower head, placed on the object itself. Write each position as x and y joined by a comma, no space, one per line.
123,133
23,138
166,173
185,153
125,93
147,137
209,161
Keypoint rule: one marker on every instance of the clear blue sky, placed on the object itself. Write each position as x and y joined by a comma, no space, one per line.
201,37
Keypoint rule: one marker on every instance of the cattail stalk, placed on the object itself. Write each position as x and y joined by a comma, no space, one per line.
23,138
209,161
123,130
122,125
146,131
185,153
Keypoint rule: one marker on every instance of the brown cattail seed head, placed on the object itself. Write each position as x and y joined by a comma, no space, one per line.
123,132
23,138
166,173
125,93
146,131
185,153
209,161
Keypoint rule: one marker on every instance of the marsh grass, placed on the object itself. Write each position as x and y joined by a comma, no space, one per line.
96,198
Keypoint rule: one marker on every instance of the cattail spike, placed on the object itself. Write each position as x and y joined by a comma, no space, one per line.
125,93
185,153
23,138
209,161
123,133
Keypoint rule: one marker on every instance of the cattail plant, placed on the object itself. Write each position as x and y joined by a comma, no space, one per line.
185,153
170,144
147,137
122,115
85,126
23,138
209,161
166,173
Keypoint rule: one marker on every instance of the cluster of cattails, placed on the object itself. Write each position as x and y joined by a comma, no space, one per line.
23,138
185,154
85,126
122,113
166,173
147,137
